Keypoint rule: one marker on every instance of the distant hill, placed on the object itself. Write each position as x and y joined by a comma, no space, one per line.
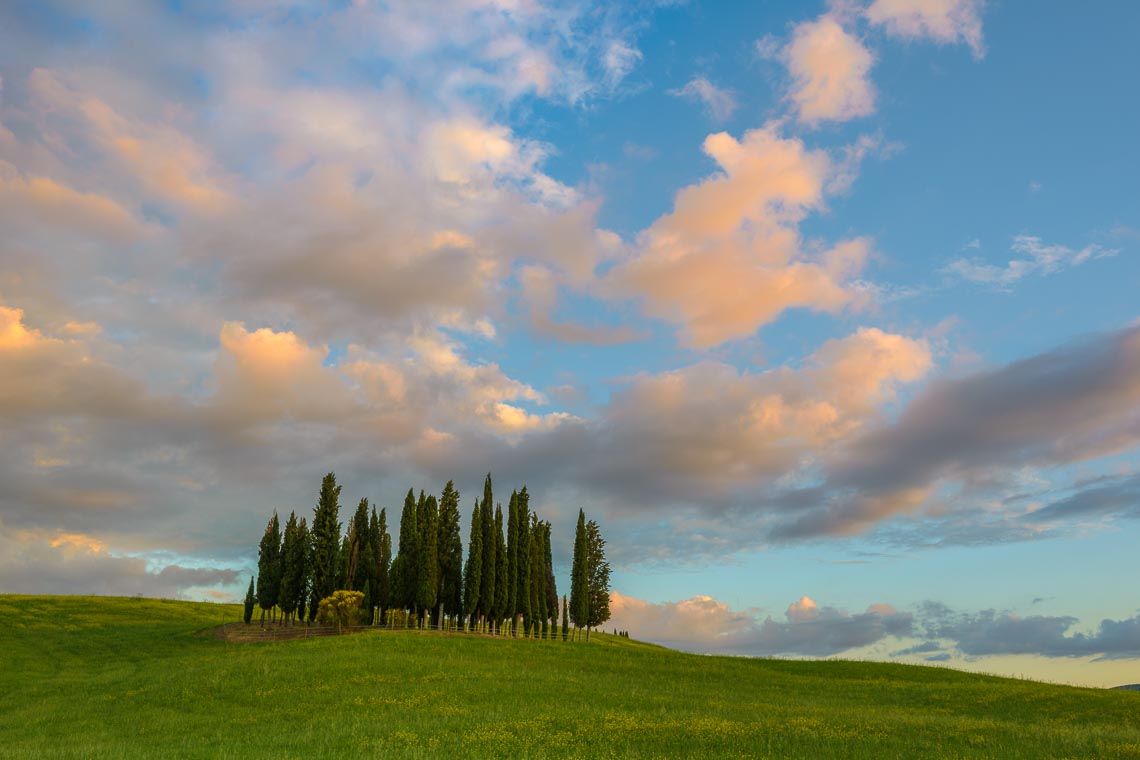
99,677
1129,687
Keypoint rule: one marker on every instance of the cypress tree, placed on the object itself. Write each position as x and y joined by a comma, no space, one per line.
501,598
537,572
512,606
360,562
250,601
450,554
293,551
383,564
473,572
427,568
551,589
303,567
599,578
269,566
326,540
525,598
490,562
404,567
579,576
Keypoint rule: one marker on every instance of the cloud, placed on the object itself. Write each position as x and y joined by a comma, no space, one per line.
706,625
1041,259
830,69
36,562
989,632
1074,403
720,104
728,259
944,21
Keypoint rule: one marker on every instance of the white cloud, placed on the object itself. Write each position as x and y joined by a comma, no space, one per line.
1040,259
719,103
944,21
830,70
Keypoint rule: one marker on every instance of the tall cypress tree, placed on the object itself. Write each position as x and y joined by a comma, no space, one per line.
537,571
269,567
383,585
404,566
473,572
490,561
360,564
303,567
579,576
326,542
293,551
512,608
551,589
501,598
427,567
250,602
599,578
525,598
450,554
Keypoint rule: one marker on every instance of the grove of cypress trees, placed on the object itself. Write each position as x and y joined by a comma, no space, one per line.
360,561
326,542
579,576
450,554
473,572
269,567
303,567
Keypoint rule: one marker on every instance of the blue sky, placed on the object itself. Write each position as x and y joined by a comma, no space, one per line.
826,312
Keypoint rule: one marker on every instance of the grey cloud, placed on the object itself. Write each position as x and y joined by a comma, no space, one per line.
990,632
1073,403
1118,496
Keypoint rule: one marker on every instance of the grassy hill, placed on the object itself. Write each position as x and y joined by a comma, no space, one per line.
107,677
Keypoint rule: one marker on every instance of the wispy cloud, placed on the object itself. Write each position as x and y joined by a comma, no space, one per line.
1038,259
719,103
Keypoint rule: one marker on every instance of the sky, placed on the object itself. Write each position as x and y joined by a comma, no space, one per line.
826,312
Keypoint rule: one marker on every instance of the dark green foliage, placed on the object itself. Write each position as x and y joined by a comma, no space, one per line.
501,597
383,563
427,564
404,566
512,607
326,541
490,562
250,601
361,564
599,577
473,572
537,571
525,597
450,553
294,566
579,576
551,589
565,619
269,566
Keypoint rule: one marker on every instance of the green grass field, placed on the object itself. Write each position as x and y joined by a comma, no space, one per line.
98,677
